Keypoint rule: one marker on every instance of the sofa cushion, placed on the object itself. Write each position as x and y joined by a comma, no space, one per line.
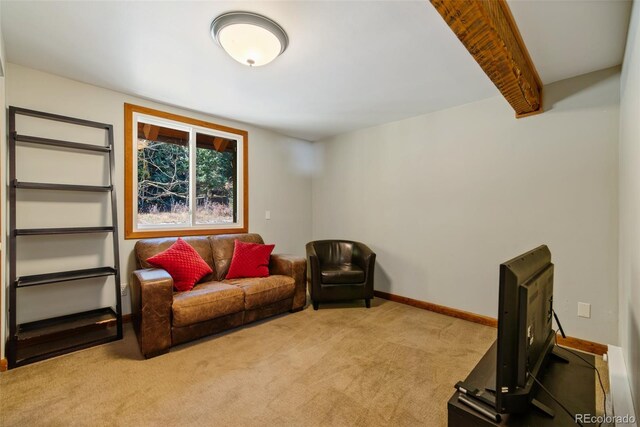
222,248
146,248
183,263
262,291
206,301
341,273
250,260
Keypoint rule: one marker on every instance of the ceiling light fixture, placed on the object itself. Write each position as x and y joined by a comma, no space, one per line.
249,38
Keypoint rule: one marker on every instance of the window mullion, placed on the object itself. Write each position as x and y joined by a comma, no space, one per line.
192,176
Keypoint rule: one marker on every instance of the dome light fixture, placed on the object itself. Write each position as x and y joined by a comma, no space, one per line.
249,38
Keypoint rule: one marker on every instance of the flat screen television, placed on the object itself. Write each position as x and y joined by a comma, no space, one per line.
525,333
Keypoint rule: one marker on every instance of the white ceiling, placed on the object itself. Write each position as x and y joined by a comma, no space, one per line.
569,38
349,65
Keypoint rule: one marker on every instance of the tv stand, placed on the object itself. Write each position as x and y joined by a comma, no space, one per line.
566,376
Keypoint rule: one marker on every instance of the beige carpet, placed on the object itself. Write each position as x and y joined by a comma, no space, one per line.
342,365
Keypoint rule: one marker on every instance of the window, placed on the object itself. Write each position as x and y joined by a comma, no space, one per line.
183,176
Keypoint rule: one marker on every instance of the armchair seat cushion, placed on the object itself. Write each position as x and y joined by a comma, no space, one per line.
341,273
262,291
206,301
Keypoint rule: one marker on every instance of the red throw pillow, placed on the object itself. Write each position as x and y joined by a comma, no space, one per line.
183,263
249,260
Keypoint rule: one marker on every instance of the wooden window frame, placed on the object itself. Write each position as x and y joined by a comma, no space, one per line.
130,196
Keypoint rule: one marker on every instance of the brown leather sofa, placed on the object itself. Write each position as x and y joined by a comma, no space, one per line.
163,318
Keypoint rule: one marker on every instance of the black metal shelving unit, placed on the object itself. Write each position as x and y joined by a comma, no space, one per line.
34,341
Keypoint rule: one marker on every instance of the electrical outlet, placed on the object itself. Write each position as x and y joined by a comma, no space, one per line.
124,289
584,310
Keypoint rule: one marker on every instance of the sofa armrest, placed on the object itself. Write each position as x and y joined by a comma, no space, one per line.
152,298
296,267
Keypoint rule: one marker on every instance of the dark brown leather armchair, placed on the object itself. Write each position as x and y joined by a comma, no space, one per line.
339,270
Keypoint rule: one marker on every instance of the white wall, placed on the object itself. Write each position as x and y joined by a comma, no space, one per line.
279,181
444,198
629,292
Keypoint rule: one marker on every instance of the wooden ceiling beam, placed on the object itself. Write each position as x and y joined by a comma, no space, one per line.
220,144
150,131
488,31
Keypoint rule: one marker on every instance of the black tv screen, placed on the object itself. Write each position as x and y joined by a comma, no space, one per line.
525,333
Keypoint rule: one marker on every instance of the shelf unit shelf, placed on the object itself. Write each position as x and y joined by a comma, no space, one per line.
64,230
63,276
61,144
51,337
61,187
35,341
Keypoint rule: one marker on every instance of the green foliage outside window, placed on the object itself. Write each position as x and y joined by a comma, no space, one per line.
163,183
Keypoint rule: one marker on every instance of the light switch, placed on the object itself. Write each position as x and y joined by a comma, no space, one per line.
584,310
267,214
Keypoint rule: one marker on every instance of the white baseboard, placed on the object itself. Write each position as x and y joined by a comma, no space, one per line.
620,389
